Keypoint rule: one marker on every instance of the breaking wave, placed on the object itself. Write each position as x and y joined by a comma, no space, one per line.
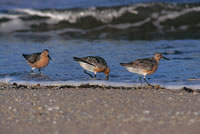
139,21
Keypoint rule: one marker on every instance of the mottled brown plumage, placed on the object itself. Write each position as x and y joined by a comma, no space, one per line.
93,64
146,66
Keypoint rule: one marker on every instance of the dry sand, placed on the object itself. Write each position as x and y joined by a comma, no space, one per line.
97,110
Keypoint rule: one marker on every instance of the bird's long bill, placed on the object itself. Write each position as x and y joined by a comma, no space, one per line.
49,57
165,58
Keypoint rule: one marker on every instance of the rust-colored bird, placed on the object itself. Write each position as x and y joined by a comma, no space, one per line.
93,64
38,60
146,66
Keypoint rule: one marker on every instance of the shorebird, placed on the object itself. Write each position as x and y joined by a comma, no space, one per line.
146,66
93,64
38,60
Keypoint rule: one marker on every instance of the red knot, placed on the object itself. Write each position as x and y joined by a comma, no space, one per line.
93,64
38,60
146,66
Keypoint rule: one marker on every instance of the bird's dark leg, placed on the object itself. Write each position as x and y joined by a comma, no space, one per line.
147,82
140,78
40,70
107,77
32,69
94,76
88,74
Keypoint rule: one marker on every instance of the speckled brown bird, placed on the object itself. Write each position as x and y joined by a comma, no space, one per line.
38,60
146,66
93,64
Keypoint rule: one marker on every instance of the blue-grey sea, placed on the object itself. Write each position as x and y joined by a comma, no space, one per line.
117,30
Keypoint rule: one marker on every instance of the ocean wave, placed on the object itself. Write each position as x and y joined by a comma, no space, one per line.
139,21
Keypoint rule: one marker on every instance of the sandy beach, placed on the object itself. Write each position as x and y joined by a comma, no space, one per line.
97,110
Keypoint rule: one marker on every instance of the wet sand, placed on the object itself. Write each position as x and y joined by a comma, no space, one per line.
97,110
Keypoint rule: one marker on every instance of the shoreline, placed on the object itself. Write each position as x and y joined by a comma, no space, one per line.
94,109
88,85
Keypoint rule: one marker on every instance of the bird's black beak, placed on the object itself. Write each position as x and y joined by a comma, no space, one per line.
165,58
49,57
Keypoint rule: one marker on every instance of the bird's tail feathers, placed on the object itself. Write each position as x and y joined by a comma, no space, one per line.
25,56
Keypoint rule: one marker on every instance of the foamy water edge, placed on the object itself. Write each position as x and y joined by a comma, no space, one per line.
93,82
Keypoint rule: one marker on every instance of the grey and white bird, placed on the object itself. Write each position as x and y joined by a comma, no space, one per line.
145,66
93,64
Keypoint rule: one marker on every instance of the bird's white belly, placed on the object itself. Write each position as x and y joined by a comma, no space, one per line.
87,67
137,70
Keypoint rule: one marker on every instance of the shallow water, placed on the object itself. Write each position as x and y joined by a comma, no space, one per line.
183,64
121,33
